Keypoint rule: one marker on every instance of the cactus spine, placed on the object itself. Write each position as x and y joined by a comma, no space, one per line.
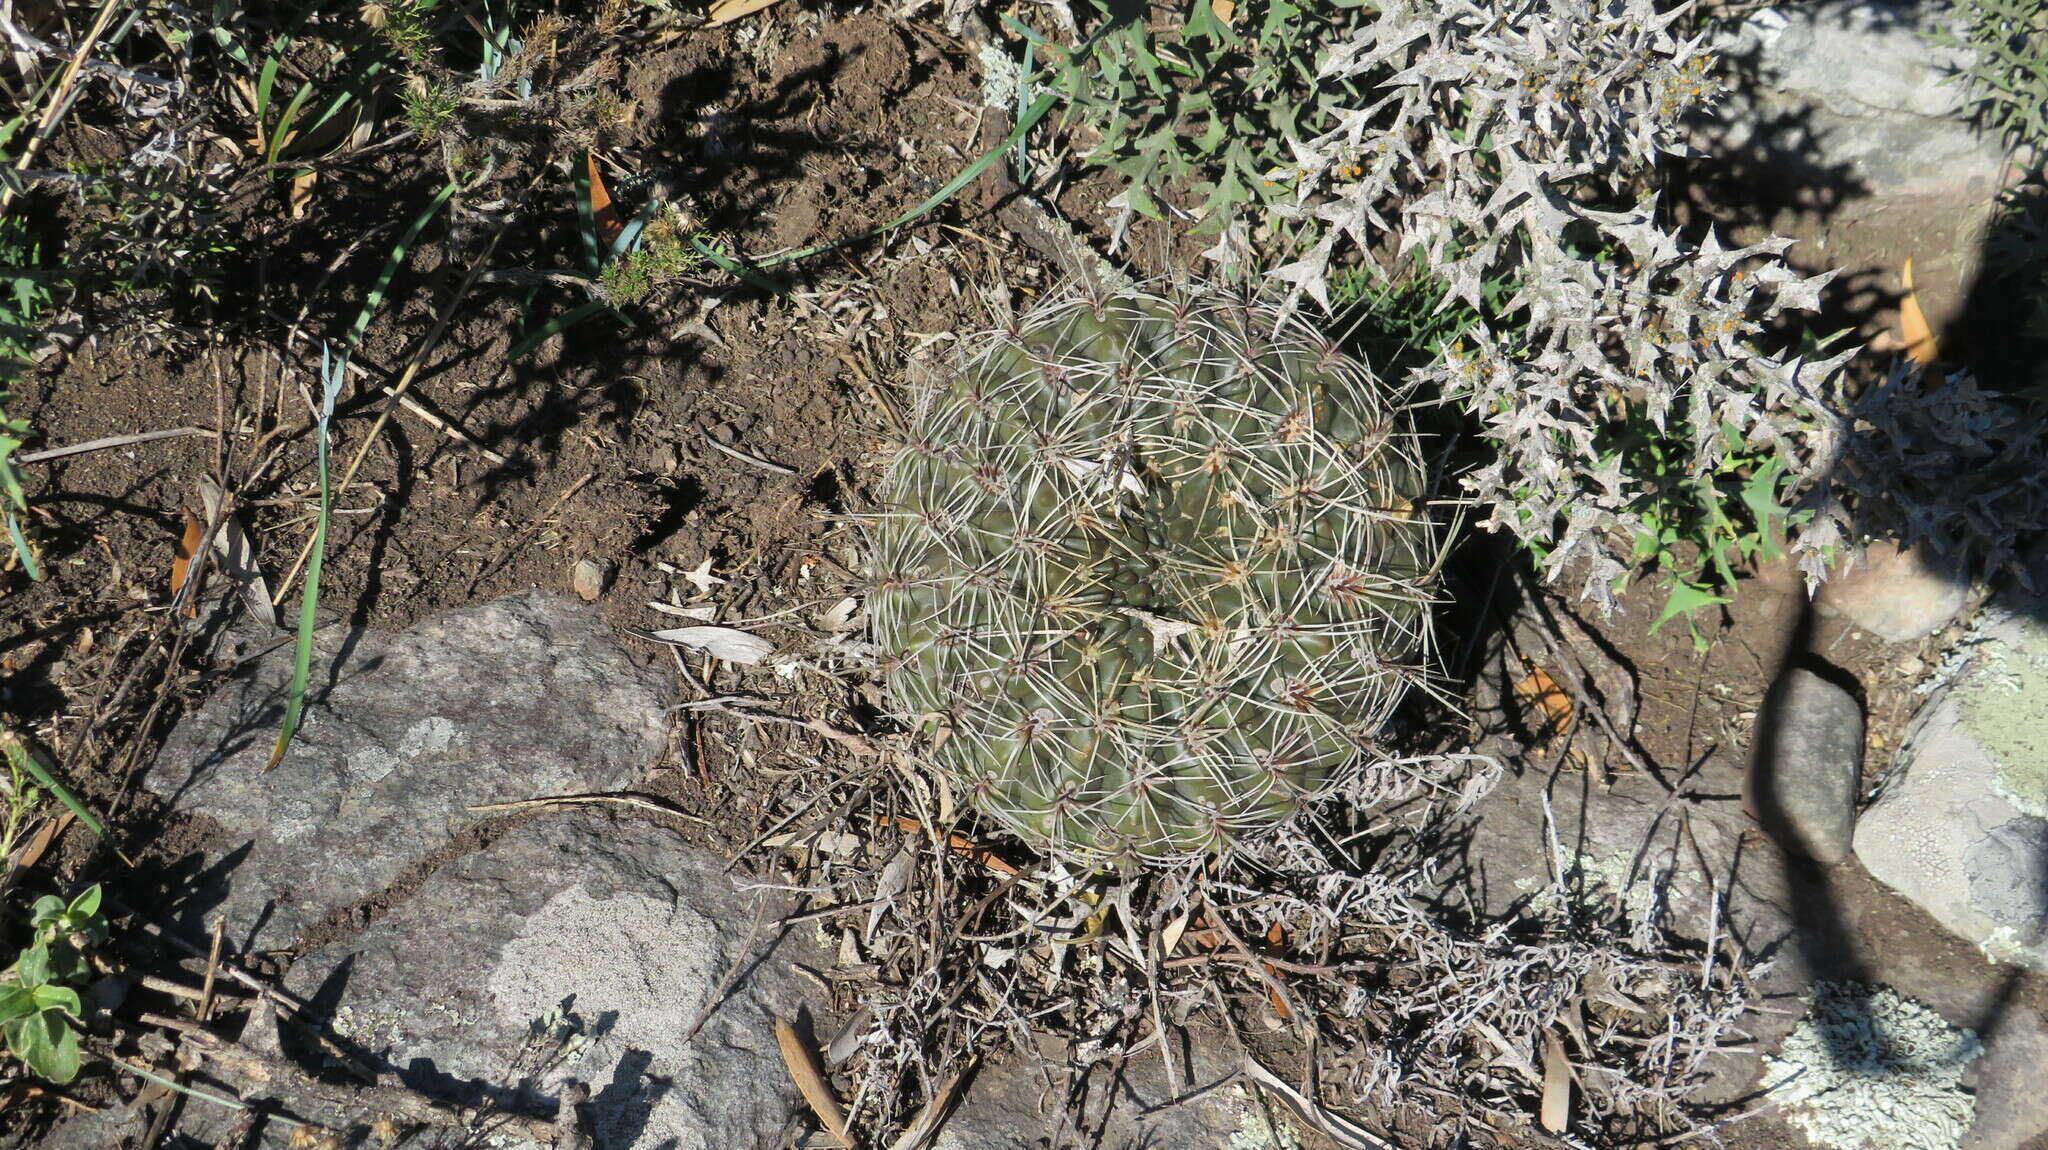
1159,557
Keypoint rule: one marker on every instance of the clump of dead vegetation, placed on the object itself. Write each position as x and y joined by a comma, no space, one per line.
1334,966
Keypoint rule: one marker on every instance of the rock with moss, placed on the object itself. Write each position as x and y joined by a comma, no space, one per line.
1961,826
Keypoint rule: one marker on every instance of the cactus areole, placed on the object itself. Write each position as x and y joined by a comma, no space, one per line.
1159,559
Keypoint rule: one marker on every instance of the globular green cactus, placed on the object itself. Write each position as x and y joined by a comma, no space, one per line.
1160,559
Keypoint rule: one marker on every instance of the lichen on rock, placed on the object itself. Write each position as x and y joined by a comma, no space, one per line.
1870,1070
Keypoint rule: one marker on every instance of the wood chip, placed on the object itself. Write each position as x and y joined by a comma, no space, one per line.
1917,335
1539,689
181,562
603,213
956,842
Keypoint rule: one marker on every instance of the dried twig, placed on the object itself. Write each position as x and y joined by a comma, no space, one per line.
637,802
750,460
51,453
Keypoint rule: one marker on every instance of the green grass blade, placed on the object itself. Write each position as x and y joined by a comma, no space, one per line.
629,236
19,755
265,81
309,598
347,95
283,130
21,548
1024,74
10,480
557,326
734,268
189,1091
586,219
375,298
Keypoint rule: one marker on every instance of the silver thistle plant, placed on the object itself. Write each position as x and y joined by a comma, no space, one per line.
1161,558
1504,142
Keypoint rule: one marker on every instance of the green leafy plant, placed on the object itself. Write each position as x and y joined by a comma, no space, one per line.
1507,151
430,107
24,295
1407,324
153,249
612,255
1192,101
664,255
1697,529
407,26
23,763
303,91
1161,558
38,993
21,799
751,269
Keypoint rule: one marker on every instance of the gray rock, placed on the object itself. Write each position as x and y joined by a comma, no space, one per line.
523,697
1855,86
1808,768
1842,131
621,932
1898,596
1017,1106
1962,825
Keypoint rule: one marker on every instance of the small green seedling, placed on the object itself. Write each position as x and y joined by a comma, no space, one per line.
622,267
1697,529
38,995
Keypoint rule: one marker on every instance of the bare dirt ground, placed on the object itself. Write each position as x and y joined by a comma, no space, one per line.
711,454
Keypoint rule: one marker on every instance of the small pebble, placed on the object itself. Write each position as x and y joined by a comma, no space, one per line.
589,578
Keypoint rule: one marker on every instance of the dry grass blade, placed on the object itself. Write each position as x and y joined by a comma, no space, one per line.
110,441
1339,1130
24,758
60,99
31,852
1557,1086
237,555
726,11
730,644
1169,939
636,802
809,1075
932,1118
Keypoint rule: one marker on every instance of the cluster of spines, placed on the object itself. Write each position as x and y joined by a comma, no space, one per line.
1159,556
